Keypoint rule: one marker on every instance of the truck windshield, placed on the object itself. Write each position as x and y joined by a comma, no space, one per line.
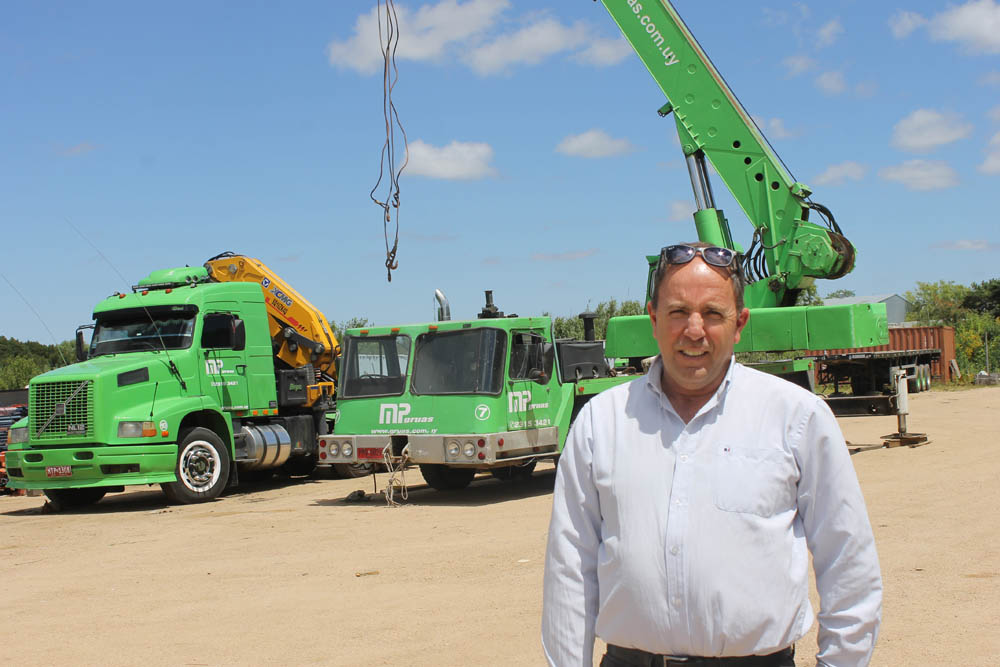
136,330
374,366
470,361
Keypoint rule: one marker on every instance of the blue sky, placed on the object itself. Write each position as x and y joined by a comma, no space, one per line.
169,132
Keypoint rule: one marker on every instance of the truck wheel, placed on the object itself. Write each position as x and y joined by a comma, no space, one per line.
443,478
202,467
64,499
299,466
350,470
515,472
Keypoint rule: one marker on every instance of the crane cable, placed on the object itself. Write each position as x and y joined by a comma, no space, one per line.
388,42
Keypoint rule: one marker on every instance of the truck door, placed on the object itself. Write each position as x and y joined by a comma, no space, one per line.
529,381
224,345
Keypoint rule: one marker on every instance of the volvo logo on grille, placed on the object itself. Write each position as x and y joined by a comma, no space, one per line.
60,409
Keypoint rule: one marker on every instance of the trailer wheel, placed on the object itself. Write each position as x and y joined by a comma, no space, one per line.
927,376
65,499
351,470
515,472
913,381
443,478
202,467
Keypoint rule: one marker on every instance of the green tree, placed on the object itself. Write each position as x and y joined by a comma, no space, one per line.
939,302
972,334
17,370
840,294
984,297
572,326
340,327
809,296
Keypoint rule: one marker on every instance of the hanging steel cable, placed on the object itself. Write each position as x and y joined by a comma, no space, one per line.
388,38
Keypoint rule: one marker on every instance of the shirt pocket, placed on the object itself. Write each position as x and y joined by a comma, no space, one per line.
753,480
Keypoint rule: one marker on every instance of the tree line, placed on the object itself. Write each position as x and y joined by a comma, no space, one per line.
973,310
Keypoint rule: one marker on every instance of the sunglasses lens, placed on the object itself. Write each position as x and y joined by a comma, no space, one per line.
718,256
678,254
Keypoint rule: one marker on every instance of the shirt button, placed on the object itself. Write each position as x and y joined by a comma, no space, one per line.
677,602
675,550
684,457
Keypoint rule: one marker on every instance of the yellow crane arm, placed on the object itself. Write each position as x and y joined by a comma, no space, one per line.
300,332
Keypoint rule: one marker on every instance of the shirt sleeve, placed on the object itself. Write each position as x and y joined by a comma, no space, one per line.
570,592
840,538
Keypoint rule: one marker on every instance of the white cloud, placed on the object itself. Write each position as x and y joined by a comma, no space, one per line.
974,25
991,165
456,161
604,52
681,210
594,144
529,45
79,149
426,34
776,130
966,244
563,256
798,64
926,129
990,79
829,33
903,23
831,83
922,175
837,174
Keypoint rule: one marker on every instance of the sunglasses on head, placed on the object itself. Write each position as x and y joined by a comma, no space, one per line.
714,255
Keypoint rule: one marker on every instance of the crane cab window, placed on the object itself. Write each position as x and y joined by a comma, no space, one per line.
531,358
218,331
374,366
468,361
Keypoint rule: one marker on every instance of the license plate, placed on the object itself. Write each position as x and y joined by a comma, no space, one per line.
59,471
370,453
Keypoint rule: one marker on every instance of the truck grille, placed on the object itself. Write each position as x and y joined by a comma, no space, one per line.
61,410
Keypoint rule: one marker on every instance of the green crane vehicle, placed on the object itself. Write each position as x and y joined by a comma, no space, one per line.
788,250
199,374
461,396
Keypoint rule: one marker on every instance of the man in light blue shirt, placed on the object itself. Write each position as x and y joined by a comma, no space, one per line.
687,503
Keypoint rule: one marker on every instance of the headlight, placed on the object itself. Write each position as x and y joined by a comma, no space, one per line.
469,449
334,449
453,449
136,429
19,434
346,450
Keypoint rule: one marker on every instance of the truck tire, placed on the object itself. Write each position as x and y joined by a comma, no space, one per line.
443,478
65,499
515,473
202,467
351,470
927,377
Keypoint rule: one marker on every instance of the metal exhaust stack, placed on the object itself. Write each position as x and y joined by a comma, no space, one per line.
444,310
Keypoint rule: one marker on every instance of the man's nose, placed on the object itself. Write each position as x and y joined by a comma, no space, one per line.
695,327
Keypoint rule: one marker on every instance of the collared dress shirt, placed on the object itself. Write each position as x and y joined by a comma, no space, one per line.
694,539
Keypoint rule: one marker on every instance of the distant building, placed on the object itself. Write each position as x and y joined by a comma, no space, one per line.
896,306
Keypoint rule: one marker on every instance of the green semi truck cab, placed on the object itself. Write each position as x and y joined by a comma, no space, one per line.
461,396
179,386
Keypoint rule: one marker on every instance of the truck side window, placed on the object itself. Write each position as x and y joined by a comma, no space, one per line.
217,331
528,360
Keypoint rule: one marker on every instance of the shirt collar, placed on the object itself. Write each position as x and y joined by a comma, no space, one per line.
656,372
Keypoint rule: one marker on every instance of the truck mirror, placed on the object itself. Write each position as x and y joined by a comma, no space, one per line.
82,351
239,335
81,354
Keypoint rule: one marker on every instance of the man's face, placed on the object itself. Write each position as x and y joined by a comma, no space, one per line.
696,324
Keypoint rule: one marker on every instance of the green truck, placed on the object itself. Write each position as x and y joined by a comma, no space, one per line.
196,376
457,397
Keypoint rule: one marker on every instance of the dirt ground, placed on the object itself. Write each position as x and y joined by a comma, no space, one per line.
289,573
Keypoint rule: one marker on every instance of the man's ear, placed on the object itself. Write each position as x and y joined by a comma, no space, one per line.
741,321
652,313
